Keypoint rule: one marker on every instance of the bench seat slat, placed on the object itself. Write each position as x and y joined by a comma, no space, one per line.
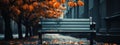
66,26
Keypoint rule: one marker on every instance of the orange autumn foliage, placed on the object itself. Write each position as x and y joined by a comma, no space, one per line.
18,12
15,10
57,15
62,1
50,14
50,3
19,2
42,13
53,13
41,4
35,4
56,5
31,17
75,4
71,4
80,3
30,8
25,7
31,0
45,9
38,15
54,0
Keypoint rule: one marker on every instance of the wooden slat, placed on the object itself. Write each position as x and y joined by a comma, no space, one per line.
65,23
66,26
64,20
67,31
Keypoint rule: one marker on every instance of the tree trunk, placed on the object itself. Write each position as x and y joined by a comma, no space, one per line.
8,30
27,32
30,31
35,29
20,28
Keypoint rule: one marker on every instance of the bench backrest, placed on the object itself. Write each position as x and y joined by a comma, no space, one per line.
65,25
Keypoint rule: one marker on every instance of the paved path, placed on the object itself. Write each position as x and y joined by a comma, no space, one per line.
56,39
62,39
28,41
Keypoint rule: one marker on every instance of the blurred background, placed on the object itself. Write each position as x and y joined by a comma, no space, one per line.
105,14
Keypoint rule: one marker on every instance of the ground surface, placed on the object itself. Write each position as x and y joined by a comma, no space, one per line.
27,41
49,38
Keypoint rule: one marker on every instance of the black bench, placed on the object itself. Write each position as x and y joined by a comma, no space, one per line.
66,26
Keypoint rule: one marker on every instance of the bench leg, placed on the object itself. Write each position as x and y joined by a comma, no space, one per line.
92,36
40,37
